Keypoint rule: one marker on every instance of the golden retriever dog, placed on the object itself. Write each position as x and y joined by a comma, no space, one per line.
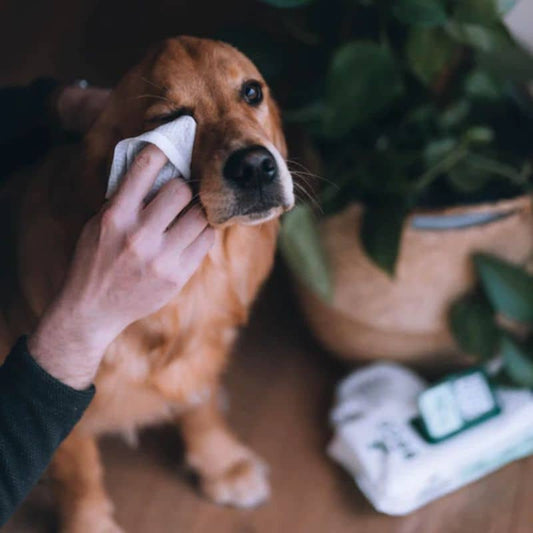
166,367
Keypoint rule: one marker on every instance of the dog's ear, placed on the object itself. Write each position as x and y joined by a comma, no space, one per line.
122,117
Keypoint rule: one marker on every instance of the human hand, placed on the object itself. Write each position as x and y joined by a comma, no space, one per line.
130,260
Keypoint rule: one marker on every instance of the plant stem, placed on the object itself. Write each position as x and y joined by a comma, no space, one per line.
443,165
500,169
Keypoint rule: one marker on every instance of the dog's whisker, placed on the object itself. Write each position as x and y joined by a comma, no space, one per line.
305,187
306,174
194,197
302,179
156,96
154,84
195,200
302,169
307,194
299,165
300,200
302,174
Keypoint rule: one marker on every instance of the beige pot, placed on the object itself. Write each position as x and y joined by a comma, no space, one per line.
405,318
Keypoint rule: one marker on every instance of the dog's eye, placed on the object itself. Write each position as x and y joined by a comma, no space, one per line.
252,93
172,115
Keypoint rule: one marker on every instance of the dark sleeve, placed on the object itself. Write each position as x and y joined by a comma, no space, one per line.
26,125
36,413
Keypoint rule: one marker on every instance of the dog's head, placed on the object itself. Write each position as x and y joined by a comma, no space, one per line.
238,162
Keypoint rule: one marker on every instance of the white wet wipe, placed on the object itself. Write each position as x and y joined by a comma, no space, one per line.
175,139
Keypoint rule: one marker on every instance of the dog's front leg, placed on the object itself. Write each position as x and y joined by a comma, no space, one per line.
229,472
78,479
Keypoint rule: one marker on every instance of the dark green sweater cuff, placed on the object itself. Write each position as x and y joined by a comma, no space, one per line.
31,379
37,412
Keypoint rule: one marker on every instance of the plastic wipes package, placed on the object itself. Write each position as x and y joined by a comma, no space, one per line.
379,438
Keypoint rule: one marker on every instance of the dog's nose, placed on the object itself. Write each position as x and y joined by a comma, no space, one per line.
251,167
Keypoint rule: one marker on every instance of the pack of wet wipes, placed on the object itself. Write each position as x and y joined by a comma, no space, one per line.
175,139
407,443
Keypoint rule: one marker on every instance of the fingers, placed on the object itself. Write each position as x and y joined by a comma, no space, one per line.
184,232
194,254
139,179
166,205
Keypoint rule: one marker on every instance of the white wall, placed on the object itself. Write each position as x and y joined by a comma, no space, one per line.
520,22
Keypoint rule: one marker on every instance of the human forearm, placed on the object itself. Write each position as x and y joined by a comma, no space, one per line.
66,346
37,412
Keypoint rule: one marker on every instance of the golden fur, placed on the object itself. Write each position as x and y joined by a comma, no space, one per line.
167,366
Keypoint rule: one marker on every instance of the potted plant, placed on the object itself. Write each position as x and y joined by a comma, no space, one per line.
418,116
494,321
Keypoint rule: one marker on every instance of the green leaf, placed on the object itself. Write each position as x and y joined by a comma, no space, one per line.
477,11
472,172
508,62
363,80
466,177
438,149
420,12
479,135
477,36
302,249
381,232
479,84
508,287
429,51
287,3
421,116
496,52
491,168
310,113
471,321
454,114
482,11
518,360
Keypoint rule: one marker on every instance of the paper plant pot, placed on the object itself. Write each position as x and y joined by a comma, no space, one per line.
405,318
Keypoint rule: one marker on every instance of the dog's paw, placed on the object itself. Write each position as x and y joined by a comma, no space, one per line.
107,526
91,522
243,484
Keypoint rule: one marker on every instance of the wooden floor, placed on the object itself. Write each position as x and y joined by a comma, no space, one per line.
280,384
280,388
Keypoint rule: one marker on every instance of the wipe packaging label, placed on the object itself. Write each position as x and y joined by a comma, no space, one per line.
456,404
